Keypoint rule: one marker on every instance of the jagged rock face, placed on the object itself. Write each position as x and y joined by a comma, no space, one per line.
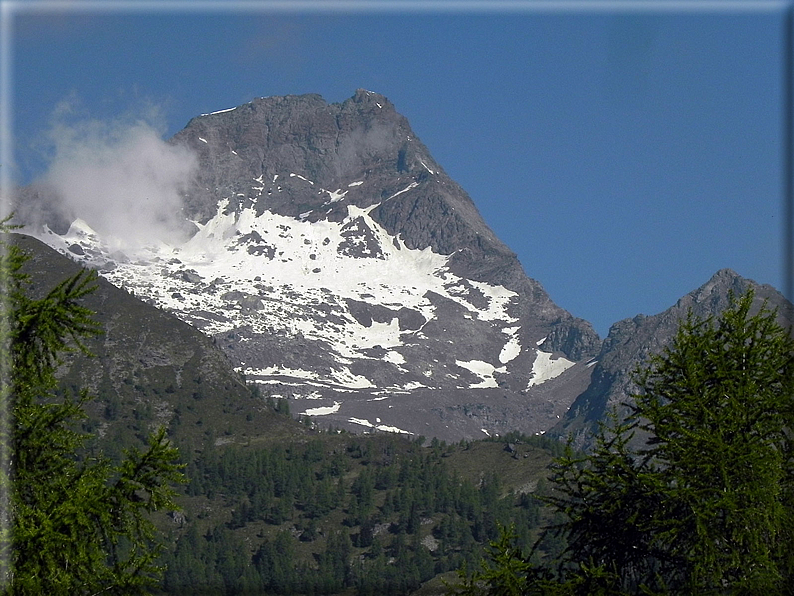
630,342
305,150
334,261
301,157
336,264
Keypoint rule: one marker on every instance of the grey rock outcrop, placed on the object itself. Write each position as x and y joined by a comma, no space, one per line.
302,212
301,149
630,342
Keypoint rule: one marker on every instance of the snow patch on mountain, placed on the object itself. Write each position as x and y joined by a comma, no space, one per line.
381,427
512,348
220,111
279,371
545,367
394,357
323,410
347,285
484,370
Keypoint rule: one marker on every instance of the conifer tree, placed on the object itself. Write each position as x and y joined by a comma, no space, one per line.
719,405
78,524
610,499
707,505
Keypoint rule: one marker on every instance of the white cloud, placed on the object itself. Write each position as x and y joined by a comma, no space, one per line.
119,176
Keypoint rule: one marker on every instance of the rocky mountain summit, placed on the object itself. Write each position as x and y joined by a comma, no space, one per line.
337,265
302,158
631,341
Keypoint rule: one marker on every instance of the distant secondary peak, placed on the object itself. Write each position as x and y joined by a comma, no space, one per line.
722,280
725,274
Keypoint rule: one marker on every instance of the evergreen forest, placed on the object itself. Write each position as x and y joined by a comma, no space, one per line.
690,492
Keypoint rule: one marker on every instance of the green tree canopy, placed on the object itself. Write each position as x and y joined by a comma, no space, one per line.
706,506
78,523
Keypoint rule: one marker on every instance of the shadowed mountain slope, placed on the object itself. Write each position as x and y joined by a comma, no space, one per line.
151,369
631,341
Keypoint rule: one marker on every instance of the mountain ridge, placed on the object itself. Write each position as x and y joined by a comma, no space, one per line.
366,140
337,265
631,341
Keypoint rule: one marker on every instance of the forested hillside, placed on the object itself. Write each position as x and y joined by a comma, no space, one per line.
269,504
339,513
152,466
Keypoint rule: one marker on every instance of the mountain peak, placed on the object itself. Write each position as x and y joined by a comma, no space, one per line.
334,260
630,343
365,96
363,139
712,297
725,273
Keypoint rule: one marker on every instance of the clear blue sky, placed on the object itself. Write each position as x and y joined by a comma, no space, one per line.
624,154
